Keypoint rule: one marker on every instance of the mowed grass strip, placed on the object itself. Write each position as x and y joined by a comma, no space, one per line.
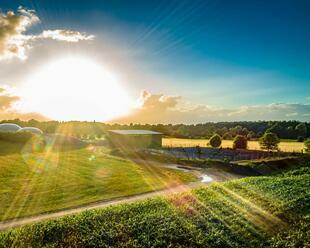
268,211
285,146
34,183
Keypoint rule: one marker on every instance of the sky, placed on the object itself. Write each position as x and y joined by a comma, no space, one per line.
171,61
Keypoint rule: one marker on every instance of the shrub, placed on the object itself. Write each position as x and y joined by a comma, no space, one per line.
198,151
215,140
300,139
269,141
307,145
19,137
240,142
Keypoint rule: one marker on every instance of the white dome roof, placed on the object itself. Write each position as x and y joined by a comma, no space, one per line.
9,127
31,129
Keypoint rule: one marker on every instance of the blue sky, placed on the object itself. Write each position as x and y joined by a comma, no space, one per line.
219,53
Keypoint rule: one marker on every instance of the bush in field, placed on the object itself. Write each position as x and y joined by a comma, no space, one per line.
269,141
19,137
240,142
215,140
300,139
307,145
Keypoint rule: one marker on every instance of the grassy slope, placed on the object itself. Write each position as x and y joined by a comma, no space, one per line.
41,182
252,212
285,146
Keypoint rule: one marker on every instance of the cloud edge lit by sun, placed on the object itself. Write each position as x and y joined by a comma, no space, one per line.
15,43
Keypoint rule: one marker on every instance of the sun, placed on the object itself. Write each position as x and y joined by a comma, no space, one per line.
74,88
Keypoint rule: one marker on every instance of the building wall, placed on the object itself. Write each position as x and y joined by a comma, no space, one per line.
135,141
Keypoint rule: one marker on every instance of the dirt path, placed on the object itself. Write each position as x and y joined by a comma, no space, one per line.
32,219
214,174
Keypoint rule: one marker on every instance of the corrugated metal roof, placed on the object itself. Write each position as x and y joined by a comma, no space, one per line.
134,132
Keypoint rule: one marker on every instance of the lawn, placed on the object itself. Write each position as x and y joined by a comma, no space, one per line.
270,211
33,183
285,146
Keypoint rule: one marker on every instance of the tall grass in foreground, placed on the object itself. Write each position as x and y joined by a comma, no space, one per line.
271,211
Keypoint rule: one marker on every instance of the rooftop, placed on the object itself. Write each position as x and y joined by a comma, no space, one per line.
134,132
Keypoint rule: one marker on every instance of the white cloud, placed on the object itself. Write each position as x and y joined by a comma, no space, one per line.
7,111
12,26
158,108
169,109
13,40
65,35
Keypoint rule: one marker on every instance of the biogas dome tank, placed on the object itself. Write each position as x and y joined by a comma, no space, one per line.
9,127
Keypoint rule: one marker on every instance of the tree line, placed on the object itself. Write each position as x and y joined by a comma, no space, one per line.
227,130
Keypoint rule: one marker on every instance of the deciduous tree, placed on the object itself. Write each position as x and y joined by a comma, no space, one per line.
269,141
215,140
240,142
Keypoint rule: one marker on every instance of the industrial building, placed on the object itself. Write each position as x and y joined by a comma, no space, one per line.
133,139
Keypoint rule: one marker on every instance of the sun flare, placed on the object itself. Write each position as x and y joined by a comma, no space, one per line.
75,89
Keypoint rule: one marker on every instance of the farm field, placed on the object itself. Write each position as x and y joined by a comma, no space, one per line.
33,183
285,146
270,211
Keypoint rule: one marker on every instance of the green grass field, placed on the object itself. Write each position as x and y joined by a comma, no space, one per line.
285,146
270,211
33,183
